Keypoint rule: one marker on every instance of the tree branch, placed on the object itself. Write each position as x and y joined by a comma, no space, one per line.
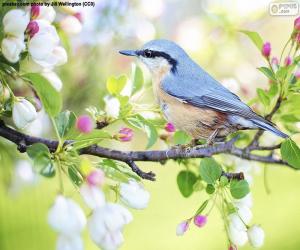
130,157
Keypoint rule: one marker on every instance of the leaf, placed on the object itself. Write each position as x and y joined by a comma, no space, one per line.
137,78
115,85
84,140
181,138
239,189
210,189
210,170
263,97
290,153
41,157
268,73
74,175
255,38
140,122
65,121
201,208
185,181
51,99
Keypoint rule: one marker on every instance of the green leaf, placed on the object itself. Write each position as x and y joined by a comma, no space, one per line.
140,122
239,189
255,38
65,121
51,99
115,85
263,97
74,175
137,78
201,208
210,170
223,181
185,181
181,138
290,153
41,157
268,73
84,140
210,189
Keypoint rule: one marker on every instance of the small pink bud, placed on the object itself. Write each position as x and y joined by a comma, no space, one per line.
182,228
200,220
95,177
84,124
79,16
288,61
170,127
297,23
275,61
125,134
35,11
266,49
232,247
297,74
32,28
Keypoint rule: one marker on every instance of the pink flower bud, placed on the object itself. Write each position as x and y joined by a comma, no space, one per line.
32,28
95,178
275,61
35,11
200,220
84,124
288,61
266,49
182,228
170,127
232,247
297,75
79,16
297,23
125,134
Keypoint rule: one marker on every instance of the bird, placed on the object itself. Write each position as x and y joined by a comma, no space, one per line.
191,99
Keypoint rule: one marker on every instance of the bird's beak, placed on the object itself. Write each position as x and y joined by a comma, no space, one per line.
128,52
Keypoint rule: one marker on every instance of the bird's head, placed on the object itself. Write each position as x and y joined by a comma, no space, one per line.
159,55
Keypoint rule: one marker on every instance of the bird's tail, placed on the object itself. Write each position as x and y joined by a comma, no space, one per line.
266,125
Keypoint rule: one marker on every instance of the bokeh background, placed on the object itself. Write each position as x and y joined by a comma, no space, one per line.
208,31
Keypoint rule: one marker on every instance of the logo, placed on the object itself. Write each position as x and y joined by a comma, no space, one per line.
284,9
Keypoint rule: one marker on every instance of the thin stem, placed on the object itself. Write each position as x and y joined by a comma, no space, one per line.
285,46
60,177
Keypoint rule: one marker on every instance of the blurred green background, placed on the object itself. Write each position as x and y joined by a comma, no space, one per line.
208,31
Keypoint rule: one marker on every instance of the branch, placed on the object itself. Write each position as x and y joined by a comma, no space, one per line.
130,157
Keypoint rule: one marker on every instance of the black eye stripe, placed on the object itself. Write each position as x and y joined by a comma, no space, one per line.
154,53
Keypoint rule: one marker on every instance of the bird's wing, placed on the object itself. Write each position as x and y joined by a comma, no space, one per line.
205,92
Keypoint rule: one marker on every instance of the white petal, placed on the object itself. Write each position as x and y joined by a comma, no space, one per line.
71,25
244,212
237,237
15,22
246,201
256,236
12,47
66,217
23,113
111,241
92,196
53,78
112,106
134,195
47,13
235,220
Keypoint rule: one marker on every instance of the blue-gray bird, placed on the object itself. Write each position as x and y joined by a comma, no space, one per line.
193,100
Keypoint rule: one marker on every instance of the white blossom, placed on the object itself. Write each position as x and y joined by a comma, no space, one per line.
244,213
23,113
182,228
134,195
15,22
73,242
106,223
92,196
237,237
246,201
12,47
44,46
235,220
46,13
256,236
112,106
66,217
71,25
53,78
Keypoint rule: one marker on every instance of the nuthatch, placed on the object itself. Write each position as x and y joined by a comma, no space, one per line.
193,100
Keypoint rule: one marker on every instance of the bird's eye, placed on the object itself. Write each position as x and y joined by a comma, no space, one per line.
148,53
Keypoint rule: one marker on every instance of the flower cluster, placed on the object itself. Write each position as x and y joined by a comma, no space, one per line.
107,220
238,230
